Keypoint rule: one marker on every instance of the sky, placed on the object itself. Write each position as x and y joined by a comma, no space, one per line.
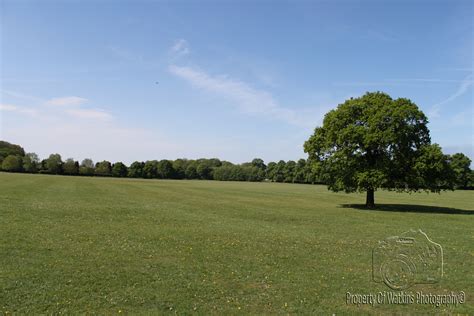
236,80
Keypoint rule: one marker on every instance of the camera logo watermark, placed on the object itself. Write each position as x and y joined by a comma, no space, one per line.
408,259
401,262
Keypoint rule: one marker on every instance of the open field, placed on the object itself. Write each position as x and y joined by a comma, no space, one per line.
106,245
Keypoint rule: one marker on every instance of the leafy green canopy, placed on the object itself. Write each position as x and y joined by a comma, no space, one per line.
7,149
374,141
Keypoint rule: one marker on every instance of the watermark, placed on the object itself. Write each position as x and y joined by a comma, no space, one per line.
406,298
402,261
408,259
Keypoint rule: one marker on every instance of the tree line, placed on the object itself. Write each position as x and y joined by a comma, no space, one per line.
14,159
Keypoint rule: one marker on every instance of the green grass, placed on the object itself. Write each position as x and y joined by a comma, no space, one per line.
103,245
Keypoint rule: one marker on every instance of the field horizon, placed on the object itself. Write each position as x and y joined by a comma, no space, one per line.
114,245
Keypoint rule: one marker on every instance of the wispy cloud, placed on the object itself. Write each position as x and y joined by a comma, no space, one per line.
465,85
248,99
180,48
98,114
59,108
66,101
8,107
18,109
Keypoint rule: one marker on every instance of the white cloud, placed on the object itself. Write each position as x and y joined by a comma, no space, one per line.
180,48
8,107
465,85
18,109
66,101
247,99
90,114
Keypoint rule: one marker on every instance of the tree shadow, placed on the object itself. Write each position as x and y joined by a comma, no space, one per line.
410,208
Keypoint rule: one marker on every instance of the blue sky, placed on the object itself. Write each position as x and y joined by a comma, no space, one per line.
236,79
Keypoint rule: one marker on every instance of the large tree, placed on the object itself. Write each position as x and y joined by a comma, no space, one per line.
375,142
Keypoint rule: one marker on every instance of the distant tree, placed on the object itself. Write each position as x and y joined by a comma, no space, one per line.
461,165
191,172
12,163
253,173
432,171
226,163
215,162
136,169
71,167
165,169
103,168
376,142
259,163
312,172
279,173
7,149
300,171
87,167
54,164
270,171
31,163
42,168
119,170
204,169
223,173
150,169
289,171
179,167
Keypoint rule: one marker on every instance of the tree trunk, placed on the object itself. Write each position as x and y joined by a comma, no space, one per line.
370,201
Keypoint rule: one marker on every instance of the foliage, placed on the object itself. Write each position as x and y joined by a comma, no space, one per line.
136,169
54,164
165,169
119,170
87,167
150,169
376,142
12,163
30,163
7,149
309,171
71,167
460,164
103,168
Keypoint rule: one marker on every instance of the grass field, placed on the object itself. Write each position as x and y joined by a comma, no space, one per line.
106,245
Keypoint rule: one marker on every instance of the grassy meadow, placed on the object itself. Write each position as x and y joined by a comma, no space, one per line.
126,246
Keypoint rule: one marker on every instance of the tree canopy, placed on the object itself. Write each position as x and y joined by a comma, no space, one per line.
461,168
375,142
428,167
